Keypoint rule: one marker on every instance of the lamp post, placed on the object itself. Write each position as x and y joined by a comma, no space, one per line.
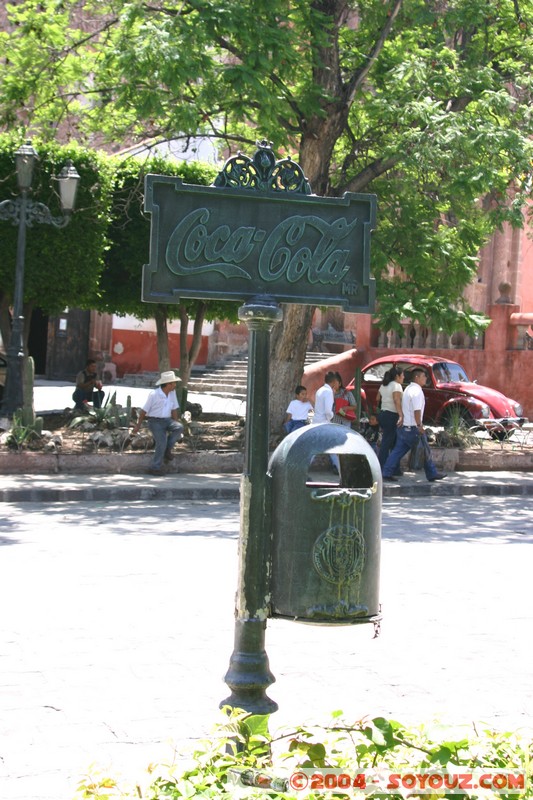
24,213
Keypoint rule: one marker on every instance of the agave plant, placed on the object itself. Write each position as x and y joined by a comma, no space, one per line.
457,432
110,415
22,432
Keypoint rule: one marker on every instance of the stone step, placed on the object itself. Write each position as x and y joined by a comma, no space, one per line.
227,380
228,395
216,387
231,379
229,372
138,379
210,378
220,373
313,356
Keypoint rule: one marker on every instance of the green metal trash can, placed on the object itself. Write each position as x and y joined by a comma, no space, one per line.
326,535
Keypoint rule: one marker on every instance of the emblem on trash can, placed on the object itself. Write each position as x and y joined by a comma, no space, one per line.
339,554
338,557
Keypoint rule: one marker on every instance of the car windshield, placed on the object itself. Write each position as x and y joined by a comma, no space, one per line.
450,373
377,372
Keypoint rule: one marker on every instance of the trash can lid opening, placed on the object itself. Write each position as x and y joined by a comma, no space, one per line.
347,471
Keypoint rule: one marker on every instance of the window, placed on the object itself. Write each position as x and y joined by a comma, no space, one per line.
376,373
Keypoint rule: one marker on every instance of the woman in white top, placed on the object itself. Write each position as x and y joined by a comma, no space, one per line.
390,416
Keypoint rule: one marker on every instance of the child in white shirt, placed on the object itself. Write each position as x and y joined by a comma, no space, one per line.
298,410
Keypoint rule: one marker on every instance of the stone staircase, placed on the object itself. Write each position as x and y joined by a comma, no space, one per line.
312,356
227,380
230,379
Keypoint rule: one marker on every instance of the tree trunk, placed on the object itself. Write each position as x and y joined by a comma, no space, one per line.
188,357
163,354
196,343
5,320
320,133
289,338
288,348
27,311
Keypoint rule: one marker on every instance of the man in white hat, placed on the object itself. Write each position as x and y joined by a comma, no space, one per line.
161,411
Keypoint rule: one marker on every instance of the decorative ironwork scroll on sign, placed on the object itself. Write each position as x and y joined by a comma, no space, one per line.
263,172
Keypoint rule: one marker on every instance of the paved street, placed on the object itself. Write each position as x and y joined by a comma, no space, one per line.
117,627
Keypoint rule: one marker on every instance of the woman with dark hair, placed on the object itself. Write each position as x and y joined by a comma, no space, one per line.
390,416
345,405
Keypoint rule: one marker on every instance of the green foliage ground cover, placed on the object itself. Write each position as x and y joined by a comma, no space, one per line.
243,759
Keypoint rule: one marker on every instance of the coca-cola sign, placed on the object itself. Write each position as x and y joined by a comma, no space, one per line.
235,244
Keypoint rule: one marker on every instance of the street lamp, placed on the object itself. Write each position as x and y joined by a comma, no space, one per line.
24,213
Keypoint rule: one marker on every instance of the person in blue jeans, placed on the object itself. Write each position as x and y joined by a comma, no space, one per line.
297,411
391,415
412,430
161,411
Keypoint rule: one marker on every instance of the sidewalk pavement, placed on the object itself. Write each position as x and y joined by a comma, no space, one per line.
220,486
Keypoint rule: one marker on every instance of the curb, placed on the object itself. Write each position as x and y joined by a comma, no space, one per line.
457,489
128,493
188,487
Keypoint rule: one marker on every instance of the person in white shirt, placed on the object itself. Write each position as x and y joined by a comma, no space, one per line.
412,430
325,408
325,398
297,411
161,410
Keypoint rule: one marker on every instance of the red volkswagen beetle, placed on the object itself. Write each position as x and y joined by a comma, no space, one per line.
448,392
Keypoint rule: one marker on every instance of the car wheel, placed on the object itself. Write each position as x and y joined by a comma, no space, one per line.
457,416
500,436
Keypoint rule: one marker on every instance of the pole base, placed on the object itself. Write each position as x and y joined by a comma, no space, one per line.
249,675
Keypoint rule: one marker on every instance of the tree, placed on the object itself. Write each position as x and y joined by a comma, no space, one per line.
119,290
426,104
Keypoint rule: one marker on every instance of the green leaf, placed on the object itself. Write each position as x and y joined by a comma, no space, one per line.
316,752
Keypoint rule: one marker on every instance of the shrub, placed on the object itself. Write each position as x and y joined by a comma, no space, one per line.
242,759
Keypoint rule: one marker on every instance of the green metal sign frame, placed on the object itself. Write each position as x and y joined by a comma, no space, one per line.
242,238
260,237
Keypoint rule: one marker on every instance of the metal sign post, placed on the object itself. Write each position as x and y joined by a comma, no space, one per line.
249,675
257,235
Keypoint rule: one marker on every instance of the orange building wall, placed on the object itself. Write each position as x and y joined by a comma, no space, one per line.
136,351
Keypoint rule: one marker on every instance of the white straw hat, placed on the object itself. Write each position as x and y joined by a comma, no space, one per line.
167,377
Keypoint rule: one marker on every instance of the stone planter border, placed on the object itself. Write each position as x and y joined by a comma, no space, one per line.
207,461
31,463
